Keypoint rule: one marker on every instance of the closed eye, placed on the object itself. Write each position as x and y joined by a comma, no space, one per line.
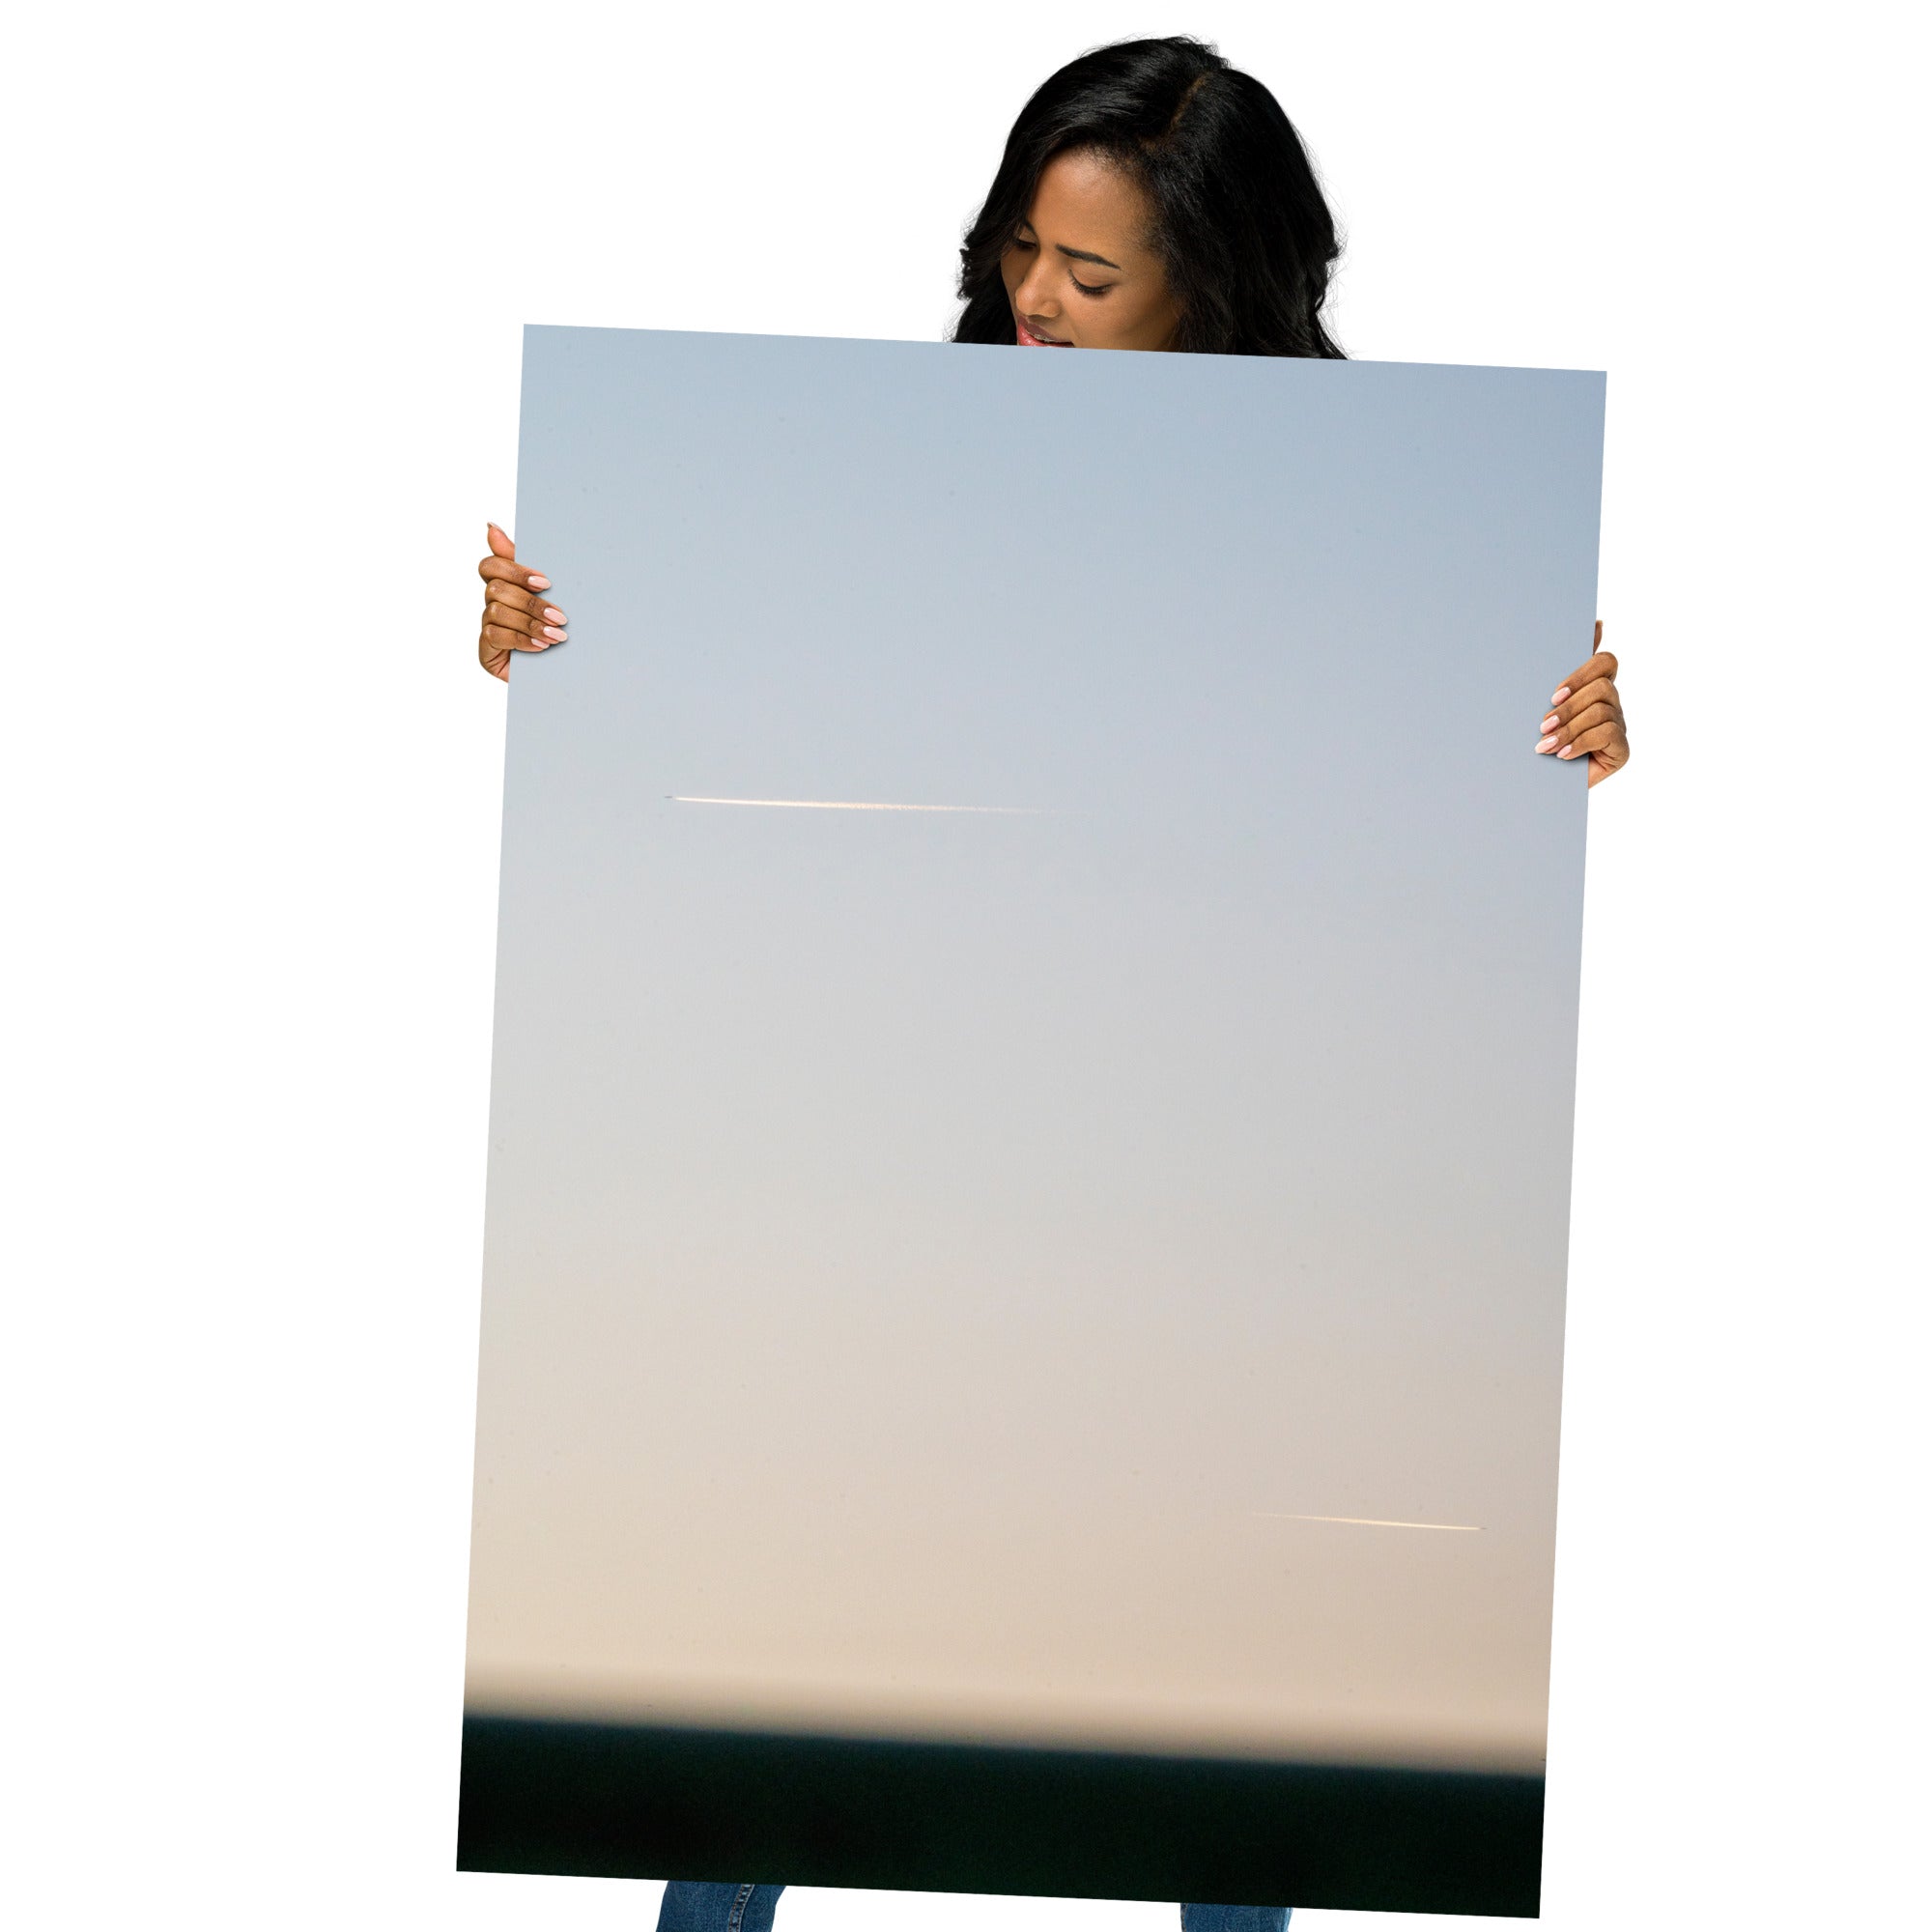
1085,288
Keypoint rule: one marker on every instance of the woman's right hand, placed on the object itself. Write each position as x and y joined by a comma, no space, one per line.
516,616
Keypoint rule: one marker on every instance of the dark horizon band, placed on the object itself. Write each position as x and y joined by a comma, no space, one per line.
622,1801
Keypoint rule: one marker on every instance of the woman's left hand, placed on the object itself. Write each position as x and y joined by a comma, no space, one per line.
1587,716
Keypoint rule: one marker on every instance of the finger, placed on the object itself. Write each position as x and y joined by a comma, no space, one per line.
1610,758
514,597
501,617
501,637
501,570
496,663
1585,721
1599,691
499,542
1607,739
1602,664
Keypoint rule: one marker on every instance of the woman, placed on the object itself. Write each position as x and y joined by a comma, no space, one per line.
1150,197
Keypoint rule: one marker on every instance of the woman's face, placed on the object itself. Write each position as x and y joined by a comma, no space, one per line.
1079,272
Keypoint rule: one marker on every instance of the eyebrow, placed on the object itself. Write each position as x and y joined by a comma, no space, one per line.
1081,254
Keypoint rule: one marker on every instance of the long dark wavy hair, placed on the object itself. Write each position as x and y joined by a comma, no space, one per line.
1239,224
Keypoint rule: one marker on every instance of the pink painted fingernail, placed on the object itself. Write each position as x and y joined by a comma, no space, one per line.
1568,752
1556,697
555,616
1550,723
543,583
1546,744
553,634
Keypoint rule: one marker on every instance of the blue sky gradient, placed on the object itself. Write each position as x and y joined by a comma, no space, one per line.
938,1263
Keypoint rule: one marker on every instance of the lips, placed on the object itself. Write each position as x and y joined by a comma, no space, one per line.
1027,339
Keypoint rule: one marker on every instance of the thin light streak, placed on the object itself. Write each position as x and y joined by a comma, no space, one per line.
857,805
1366,1522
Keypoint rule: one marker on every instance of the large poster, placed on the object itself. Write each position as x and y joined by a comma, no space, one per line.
1030,1123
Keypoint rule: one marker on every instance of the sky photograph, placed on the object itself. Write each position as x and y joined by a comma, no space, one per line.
1035,1043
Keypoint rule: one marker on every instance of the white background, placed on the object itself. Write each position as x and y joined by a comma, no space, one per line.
269,268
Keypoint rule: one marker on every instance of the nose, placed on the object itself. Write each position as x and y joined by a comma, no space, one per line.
1033,296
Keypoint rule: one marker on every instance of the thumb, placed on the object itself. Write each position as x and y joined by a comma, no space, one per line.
500,545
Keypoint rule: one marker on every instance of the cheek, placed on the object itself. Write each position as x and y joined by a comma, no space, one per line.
1111,323
1143,325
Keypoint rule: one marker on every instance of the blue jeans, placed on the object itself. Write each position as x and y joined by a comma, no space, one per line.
690,1906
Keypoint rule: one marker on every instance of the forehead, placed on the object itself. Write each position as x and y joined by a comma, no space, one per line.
1086,201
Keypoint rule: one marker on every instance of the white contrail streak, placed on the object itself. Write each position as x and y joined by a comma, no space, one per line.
1366,1522
857,805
